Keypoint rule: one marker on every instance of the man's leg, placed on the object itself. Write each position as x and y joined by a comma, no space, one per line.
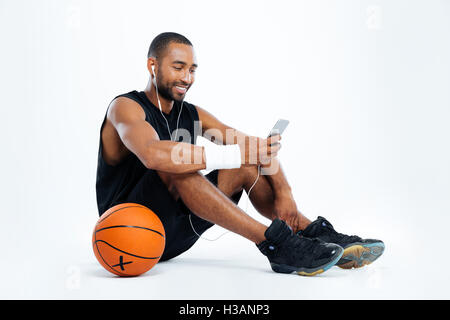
261,195
211,204
286,252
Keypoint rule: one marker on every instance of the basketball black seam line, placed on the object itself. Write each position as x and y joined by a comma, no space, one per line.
104,259
138,206
108,263
127,226
130,254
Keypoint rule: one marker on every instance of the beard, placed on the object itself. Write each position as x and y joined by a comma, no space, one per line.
164,90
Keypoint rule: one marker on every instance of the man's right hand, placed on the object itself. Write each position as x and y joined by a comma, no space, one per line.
259,151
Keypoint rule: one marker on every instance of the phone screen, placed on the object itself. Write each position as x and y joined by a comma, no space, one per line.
279,127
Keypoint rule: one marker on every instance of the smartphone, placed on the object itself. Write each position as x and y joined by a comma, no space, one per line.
279,127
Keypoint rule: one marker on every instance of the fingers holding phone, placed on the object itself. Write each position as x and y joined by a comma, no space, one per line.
259,151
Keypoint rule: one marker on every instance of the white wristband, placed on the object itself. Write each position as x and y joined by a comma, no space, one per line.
222,157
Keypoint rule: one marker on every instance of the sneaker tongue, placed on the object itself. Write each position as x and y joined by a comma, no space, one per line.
314,228
325,222
278,231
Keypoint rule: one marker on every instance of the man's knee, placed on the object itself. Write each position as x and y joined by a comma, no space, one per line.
232,181
169,181
239,175
172,180
165,177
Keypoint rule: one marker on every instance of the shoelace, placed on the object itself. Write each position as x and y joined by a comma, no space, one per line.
343,237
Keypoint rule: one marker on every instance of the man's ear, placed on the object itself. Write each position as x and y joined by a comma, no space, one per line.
151,62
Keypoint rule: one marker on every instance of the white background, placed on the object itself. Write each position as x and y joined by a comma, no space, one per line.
365,85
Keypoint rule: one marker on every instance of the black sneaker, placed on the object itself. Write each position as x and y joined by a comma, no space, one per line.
289,253
358,252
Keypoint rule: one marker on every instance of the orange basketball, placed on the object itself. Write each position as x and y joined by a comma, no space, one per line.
128,239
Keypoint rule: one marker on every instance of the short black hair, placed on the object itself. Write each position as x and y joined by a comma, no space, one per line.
162,41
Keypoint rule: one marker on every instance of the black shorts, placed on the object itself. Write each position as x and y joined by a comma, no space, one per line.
151,192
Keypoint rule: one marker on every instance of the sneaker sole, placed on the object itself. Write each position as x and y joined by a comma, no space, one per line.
359,255
281,268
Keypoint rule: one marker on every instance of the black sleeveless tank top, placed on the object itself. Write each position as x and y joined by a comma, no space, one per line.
114,183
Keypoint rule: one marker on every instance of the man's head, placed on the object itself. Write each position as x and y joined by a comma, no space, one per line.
174,61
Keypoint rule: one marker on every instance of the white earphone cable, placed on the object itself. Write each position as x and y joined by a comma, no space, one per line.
171,138
160,109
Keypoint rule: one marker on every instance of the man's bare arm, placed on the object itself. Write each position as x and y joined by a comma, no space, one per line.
229,135
254,150
215,130
218,132
140,137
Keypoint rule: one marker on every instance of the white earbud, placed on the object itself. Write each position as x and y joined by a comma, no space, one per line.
160,109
